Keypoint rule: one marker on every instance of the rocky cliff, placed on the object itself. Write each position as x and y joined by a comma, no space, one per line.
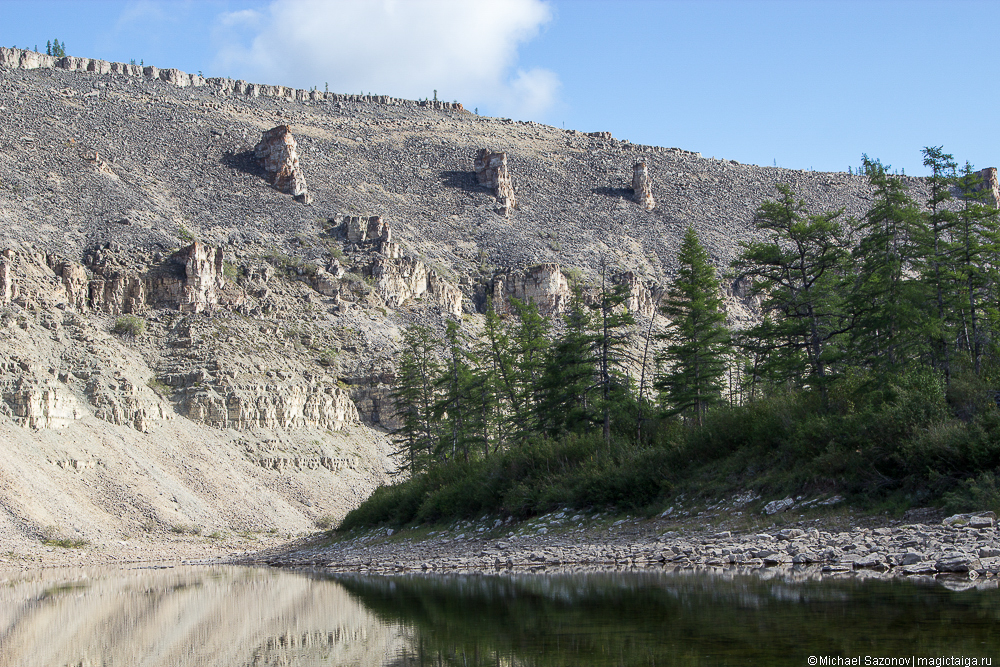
194,336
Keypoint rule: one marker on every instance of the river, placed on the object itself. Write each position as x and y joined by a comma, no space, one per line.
234,616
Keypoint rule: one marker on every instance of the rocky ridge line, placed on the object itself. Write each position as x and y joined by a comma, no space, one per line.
26,59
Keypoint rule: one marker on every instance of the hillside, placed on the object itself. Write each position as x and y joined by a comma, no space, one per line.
245,387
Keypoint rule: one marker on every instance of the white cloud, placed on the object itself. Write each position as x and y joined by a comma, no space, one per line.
466,50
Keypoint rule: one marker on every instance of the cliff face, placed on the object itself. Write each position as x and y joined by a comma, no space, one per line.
184,320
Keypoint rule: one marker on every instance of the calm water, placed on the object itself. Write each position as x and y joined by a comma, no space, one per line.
240,616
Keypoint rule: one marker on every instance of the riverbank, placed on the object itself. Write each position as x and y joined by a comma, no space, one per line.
921,544
166,549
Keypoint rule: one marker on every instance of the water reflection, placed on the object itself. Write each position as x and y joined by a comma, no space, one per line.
678,618
186,617
206,616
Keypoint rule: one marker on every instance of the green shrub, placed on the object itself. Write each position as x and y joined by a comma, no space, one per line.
129,325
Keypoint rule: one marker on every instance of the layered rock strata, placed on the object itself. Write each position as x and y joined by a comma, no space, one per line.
544,284
277,153
492,172
642,186
398,280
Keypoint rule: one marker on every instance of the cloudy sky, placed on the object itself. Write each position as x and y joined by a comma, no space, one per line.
805,84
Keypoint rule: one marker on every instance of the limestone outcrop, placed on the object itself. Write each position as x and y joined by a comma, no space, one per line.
991,185
278,154
642,186
543,284
401,279
641,299
491,172
366,230
247,405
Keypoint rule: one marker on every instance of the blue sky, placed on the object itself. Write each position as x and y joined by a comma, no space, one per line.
807,84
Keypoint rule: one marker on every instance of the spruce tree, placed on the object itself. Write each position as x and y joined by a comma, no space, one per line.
698,342
453,409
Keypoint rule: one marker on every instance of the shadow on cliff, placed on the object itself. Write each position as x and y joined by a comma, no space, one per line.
245,162
462,180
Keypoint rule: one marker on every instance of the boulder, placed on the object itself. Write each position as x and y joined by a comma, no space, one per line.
277,153
776,506
491,172
642,186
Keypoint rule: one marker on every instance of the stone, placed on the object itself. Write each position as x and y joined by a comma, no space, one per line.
252,404
543,284
980,522
640,299
326,283
991,185
958,563
790,533
776,506
366,230
923,567
642,186
912,558
399,279
491,172
277,153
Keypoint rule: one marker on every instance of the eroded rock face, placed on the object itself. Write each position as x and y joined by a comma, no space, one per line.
366,229
398,279
43,404
491,172
278,154
284,405
991,185
543,284
642,186
641,300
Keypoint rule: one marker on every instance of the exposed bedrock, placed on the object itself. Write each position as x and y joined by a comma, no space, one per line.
277,152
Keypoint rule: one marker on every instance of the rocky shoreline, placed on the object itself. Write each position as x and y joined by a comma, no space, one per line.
963,547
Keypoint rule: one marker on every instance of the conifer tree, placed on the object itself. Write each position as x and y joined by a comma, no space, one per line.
453,410
885,301
934,256
570,373
414,397
976,241
698,342
798,271
612,323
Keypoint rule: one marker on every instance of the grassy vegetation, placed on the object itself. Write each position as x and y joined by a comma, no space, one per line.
906,443
51,537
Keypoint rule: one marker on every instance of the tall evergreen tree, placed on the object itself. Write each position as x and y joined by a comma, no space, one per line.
798,271
886,302
570,373
698,342
935,253
613,323
454,408
415,397
976,241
